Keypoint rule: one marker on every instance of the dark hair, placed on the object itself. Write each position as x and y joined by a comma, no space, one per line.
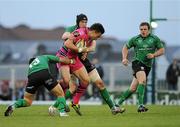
98,27
31,60
145,24
80,17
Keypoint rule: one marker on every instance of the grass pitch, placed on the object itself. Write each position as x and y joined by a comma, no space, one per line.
93,116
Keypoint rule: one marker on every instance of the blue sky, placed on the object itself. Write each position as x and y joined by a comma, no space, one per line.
120,18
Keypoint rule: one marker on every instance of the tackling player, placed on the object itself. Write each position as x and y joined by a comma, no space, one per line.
38,74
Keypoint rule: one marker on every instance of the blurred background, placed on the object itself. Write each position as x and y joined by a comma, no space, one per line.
33,27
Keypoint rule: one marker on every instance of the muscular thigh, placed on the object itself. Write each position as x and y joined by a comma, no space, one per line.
82,74
65,72
94,76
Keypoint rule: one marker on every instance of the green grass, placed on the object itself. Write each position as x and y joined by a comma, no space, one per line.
93,116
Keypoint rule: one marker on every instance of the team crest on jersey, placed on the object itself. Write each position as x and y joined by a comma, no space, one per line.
76,34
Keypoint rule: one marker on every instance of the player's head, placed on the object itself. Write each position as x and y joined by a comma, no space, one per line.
31,60
144,29
81,20
95,31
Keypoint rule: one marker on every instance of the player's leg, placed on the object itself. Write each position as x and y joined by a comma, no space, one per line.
25,102
96,80
67,82
31,88
141,77
60,102
72,87
125,95
83,77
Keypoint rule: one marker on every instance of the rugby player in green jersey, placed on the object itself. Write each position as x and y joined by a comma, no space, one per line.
38,74
146,47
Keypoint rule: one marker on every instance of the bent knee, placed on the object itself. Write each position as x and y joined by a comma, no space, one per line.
100,84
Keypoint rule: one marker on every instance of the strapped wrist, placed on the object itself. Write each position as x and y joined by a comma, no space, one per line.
80,50
71,61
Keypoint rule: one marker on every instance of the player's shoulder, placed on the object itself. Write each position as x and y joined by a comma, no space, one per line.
135,37
71,28
154,36
80,32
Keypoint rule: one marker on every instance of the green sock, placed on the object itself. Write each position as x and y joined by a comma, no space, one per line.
124,96
68,94
60,104
106,97
20,103
141,90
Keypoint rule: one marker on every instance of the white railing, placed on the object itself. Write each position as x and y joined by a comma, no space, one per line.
117,77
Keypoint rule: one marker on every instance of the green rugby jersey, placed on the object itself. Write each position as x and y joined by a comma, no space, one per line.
71,28
143,46
41,63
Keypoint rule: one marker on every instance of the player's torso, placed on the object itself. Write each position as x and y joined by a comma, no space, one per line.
81,39
40,63
144,46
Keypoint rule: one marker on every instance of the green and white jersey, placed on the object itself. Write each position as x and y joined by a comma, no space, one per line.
41,63
143,46
71,28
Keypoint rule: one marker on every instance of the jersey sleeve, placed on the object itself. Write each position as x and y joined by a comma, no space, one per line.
52,58
130,43
159,43
70,29
77,35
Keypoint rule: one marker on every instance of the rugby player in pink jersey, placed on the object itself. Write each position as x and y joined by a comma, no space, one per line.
93,75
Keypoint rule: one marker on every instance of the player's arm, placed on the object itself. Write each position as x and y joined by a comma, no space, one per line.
66,35
67,32
125,55
92,47
69,43
159,52
62,60
160,49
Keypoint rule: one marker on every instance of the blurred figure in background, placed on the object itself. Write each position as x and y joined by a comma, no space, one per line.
6,91
172,75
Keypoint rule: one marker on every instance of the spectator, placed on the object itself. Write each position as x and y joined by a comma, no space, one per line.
6,92
172,75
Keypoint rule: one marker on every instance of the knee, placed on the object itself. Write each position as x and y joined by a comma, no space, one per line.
143,81
28,101
86,81
66,81
133,90
100,84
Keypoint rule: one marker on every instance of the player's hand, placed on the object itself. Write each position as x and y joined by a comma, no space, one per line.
150,56
66,60
83,50
125,62
84,56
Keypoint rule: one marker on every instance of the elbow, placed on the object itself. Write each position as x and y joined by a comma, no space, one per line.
163,51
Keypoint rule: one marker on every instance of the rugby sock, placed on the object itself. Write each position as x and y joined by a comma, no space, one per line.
68,94
80,91
106,97
60,104
20,103
141,90
124,96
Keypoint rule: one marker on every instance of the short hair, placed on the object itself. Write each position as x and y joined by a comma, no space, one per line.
145,24
80,17
31,60
98,27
